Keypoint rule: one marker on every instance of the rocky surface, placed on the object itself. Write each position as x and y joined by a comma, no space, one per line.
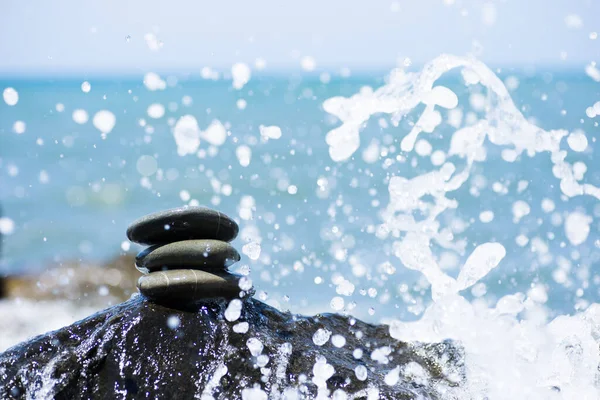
139,349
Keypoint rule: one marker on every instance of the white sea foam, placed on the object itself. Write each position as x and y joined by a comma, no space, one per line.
22,319
512,348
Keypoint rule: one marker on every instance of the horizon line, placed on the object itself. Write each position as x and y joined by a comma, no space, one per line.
275,70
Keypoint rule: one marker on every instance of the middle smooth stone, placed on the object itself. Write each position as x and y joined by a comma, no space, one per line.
206,254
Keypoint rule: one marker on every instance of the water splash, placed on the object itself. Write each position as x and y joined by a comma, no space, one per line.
512,351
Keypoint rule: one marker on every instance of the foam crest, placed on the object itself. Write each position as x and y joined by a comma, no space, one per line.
512,349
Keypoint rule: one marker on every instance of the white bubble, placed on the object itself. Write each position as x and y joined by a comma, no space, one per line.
187,100
86,87
241,75
590,112
573,21
322,371
125,245
187,135
262,360
392,377
337,303
520,209
548,205
423,147
486,216
325,77
255,346
477,101
215,134
80,116
577,141
292,189
245,283
146,165
209,73
438,157
11,96
338,341
104,121
241,104
270,132
184,195
234,310
152,42
577,227
60,107
19,127
538,293
7,226
44,177
252,250
260,63
153,82
361,372
156,110
592,71
321,336
241,327
244,155
308,63
173,322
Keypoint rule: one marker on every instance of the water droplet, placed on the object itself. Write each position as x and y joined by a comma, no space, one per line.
321,337
86,87
173,322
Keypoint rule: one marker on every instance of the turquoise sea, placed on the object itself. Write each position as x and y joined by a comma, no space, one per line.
71,193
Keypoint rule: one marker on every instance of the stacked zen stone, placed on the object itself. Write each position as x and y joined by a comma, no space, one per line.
188,257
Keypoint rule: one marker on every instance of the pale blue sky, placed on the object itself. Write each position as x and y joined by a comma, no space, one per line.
89,36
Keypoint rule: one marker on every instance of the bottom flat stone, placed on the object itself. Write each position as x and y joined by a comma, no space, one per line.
187,286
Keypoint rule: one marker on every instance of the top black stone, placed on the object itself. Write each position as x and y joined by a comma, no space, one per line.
183,223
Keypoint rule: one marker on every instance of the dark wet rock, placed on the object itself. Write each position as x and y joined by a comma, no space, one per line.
182,286
182,224
207,254
139,349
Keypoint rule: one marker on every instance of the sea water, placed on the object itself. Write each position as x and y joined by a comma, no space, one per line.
452,201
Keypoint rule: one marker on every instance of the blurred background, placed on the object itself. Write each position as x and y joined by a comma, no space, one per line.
93,92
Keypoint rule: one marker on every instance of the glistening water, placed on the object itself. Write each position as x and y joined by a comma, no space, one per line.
453,202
